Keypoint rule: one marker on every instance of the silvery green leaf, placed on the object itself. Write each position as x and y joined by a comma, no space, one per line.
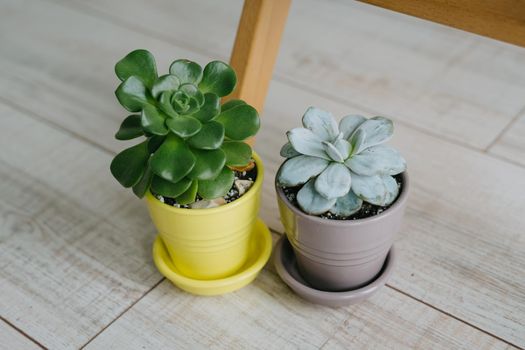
287,151
312,202
343,147
322,123
377,130
347,204
357,140
349,124
334,181
377,160
332,152
296,171
377,189
306,142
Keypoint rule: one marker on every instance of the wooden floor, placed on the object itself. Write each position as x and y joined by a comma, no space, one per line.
75,260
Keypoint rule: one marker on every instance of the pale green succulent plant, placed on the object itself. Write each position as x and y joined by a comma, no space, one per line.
340,166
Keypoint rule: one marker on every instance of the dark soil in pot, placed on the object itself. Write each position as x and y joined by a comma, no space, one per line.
366,211
232,195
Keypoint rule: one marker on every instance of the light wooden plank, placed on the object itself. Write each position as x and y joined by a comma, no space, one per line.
447,82
70,72
511,145
436,208
462,244
11,339
75,248
502,20
256,47
267,315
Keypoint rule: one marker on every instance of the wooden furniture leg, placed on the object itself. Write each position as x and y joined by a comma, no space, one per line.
256,47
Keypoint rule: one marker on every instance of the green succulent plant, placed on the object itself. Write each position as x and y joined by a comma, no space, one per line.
191,141
340,166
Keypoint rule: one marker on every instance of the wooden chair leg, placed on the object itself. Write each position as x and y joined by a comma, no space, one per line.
256,48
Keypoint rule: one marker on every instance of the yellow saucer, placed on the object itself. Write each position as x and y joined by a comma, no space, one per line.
260,250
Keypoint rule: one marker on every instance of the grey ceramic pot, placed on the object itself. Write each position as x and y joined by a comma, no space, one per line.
339,255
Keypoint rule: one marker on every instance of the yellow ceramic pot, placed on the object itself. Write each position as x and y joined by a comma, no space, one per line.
209,243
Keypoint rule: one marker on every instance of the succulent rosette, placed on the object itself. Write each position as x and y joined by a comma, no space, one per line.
338,166
191,141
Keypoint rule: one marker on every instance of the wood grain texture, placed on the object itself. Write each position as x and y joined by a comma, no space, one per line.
455,85
75,249
11,339
501,20
511,145
462,245
460,256
267,315
70,72
256,47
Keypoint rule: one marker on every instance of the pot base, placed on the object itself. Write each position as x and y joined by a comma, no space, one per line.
286,266
260,250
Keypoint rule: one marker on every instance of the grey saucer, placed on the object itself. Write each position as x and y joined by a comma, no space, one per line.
286,266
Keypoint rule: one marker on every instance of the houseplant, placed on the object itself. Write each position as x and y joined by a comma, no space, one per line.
200,179
341,195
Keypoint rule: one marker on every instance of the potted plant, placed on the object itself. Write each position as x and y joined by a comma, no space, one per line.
200,179
341,196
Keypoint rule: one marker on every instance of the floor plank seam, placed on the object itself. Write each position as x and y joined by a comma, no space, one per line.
122,313
507,127
431,306
455,317
83,9
24,334
29,113
277,77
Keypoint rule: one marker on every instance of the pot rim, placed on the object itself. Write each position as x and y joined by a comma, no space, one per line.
398,204
238,202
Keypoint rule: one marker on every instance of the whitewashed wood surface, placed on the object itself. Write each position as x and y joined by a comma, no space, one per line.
75,247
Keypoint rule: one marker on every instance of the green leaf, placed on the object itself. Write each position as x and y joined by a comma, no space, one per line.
347,204
132,94
173,160
128,166
210,136
139,63
193,92
165,104
210,109
287,151
237,153
153,121
312,202
169,189
189,195
208,164
239,122
184,126
349,124
130,128
298,170
377,160
306,142
377,189
232,103
218,187
321,123
166,82
154,143
143,185
334,181
377,131
187,71
332,152
219,78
